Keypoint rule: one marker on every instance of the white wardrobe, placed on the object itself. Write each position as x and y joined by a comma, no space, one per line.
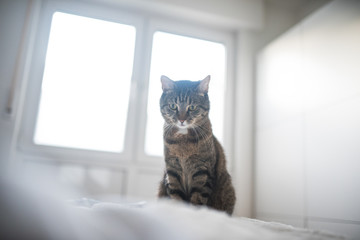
307,148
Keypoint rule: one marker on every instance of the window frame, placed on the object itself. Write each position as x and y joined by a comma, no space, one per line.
31,107
134,143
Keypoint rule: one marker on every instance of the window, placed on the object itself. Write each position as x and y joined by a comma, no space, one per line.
184,58
95,82
86,84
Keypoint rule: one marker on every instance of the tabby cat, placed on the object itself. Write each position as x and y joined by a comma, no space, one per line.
195,162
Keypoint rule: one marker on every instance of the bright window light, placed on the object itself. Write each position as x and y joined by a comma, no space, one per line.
86,84
184,58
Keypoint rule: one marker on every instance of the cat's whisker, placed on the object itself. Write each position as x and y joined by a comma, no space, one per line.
197,135
203,135
202,131
167,129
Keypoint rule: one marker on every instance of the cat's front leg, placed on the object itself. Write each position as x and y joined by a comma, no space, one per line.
201,187
162,188
198,198
170,189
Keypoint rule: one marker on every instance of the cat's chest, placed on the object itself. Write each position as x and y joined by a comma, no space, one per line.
183,150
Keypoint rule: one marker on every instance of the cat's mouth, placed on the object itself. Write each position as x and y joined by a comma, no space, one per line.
182,126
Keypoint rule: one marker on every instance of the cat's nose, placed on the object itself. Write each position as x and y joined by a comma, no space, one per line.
182,121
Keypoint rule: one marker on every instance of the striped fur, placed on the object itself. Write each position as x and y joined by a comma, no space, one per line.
195,162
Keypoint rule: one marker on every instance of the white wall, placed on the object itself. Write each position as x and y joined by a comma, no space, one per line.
233,14
12,18
307,163
280,16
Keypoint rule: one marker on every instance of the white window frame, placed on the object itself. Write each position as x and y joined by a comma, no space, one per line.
134,144
26,137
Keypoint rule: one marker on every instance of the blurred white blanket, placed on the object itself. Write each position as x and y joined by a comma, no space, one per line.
174,220
29,213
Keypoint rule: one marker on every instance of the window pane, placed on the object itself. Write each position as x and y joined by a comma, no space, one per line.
86,84
184,58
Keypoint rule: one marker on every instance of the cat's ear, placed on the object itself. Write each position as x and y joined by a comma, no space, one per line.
167,83
204,85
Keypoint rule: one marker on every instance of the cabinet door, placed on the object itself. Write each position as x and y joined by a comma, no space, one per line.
333,161
279,170
332,54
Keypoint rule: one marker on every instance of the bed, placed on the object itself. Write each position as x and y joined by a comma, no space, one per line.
31,211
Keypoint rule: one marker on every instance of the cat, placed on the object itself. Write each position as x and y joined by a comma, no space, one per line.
195,164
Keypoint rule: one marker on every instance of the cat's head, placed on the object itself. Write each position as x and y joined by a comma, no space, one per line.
185,104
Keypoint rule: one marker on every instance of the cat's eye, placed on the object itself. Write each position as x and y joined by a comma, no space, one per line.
173,106
192,107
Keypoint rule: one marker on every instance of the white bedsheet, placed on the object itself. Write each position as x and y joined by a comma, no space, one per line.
174,220
32,213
